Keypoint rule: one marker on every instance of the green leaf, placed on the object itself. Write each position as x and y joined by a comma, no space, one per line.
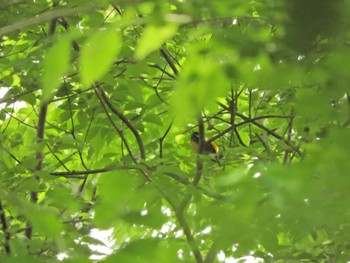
28,259
153,38
98,54
279,116
198,87
56,64
76,260
153,118
147,250
44,220
117,190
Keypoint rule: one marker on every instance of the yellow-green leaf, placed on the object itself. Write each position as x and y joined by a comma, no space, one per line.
200,84
45,220
153,38
98,54
56,63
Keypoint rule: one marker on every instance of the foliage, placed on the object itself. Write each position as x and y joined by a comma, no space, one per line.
100,100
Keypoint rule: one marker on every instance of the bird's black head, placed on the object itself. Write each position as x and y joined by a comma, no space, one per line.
195,137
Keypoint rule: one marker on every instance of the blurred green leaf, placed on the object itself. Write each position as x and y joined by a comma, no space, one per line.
200,84
76,260
56,63
146,250
268,79
44,220
97,55
29,259
153,38
117,190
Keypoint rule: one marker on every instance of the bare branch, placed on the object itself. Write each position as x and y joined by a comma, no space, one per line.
5,230
120,132
169,61
126,122
40,133
44,17
162,139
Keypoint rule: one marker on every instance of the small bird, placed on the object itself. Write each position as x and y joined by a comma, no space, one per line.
208,148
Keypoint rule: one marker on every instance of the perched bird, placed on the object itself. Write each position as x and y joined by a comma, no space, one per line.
208,148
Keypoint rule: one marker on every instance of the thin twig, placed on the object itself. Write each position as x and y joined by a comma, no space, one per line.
253,121
238,137
11,155
86,134
286,158
56,157
17,119
9,121
162,139
162,70
250,112
15,98
73,174
75,139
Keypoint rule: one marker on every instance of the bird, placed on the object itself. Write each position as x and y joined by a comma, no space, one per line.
207,148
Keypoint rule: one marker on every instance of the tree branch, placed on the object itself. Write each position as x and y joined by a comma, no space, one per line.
254,121
40,134
44,17
169,61
185,227
211,253
181,209
162,70
206,192
126,122
75,174
56,157
39,157
287,152
5,230
17,119
190,238
162,139
120,133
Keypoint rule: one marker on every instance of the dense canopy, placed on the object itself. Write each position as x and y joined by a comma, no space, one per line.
98,101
